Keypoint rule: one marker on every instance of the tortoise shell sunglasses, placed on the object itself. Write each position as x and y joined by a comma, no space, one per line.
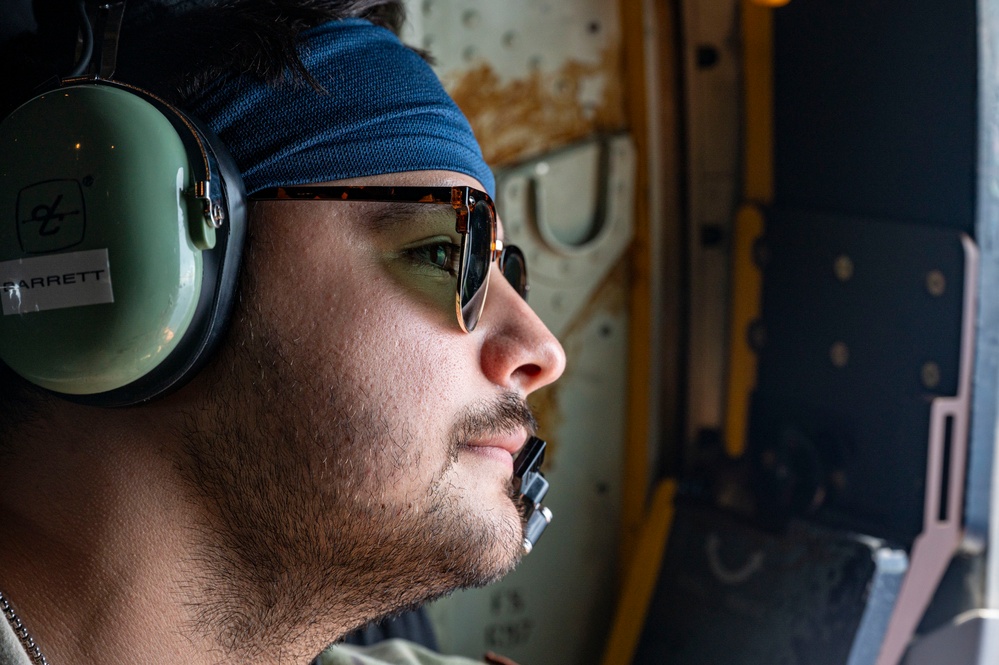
475,221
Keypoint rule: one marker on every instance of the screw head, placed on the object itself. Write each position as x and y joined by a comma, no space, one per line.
936,283
839,354
930,374
843,268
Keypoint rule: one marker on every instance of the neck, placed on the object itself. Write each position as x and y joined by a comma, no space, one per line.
93,548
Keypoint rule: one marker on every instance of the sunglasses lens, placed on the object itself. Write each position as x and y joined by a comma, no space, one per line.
475,263
514,267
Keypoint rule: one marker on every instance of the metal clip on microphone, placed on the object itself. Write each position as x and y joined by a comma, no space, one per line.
532,486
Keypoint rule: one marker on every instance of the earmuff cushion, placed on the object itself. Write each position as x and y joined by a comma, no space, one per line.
219,283
147,334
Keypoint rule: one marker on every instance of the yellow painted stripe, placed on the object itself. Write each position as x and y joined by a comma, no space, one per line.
758,178
640,582
635,453
747,289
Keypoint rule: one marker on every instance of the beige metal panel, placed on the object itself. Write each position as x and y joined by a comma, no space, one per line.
571,212
531,75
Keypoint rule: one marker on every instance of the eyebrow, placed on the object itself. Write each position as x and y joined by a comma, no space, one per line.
390,216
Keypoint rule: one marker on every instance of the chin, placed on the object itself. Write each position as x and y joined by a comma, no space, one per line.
491,544
508,546
501,562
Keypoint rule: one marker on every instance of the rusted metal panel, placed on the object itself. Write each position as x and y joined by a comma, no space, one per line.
531,75
521,118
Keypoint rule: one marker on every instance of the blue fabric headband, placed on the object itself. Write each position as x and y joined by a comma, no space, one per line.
384,111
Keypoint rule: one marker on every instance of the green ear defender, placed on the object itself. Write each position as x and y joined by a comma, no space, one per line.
121,230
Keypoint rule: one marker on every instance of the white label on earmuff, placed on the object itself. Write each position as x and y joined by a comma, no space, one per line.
56,281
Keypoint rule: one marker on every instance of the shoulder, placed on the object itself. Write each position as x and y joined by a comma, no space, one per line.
389,652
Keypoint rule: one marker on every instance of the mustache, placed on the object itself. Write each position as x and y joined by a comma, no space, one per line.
505,414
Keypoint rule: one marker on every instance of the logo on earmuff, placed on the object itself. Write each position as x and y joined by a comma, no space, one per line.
51,216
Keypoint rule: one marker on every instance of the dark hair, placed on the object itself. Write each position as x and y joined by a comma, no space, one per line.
255,37
172,48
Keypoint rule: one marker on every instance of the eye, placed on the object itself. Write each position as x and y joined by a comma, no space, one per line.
441,255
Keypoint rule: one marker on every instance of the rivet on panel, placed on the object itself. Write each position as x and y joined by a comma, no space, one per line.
470,18
930,374
557,303
469,53
542,168
712,235
707,56
428,6
510,39
839,354
936,283
843,267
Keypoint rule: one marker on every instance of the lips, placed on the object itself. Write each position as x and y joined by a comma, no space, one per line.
499,448
509,443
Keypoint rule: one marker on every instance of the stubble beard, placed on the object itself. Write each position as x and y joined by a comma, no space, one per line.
298,537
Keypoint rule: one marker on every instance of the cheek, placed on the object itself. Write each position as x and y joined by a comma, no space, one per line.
348,317
410,365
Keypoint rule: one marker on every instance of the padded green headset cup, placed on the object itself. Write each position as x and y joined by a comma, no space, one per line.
100,276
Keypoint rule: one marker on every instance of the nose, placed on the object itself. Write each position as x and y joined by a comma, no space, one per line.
518,351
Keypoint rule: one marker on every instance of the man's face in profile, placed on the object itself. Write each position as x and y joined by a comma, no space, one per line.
357,446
